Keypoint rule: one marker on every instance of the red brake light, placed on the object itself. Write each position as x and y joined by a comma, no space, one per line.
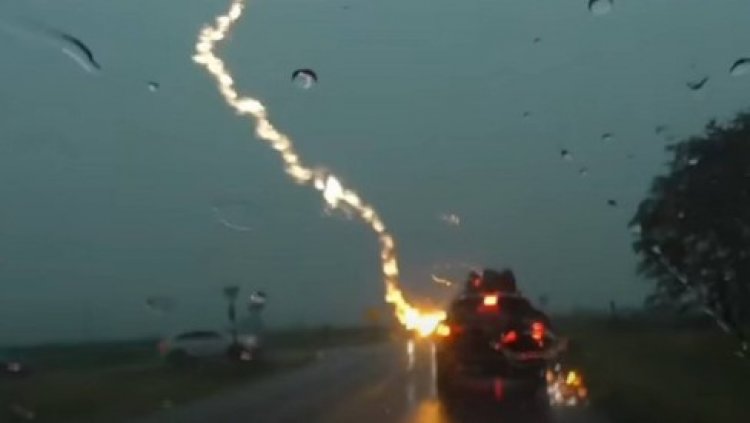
510,337
537,332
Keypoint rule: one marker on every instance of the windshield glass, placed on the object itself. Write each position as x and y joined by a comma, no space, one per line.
315,183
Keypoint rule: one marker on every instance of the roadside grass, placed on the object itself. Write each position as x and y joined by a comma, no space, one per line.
115,381
644,371
48,357
116,394
325,337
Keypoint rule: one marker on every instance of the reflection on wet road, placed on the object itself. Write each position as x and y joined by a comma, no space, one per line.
386,383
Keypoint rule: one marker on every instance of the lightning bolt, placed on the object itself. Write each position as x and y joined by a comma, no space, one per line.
336,194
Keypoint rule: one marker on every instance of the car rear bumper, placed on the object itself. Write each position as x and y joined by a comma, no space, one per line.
497,386
498,377
550,353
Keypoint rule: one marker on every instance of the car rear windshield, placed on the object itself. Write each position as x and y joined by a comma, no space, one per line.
468,307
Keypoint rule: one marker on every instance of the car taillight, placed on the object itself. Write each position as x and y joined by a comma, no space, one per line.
510,337
537,332
476,282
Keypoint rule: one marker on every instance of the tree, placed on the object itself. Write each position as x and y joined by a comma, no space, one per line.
693,229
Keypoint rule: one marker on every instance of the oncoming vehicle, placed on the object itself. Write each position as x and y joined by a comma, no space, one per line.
495,342
207,344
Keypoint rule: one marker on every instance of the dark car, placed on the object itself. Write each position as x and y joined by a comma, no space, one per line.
494,341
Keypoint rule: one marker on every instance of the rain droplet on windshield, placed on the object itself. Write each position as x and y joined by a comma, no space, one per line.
612,203
441,280
77,50
565,154
537,40
600,7
304,78
740,67
693,161
153,86
160,304
660,129
608,137
451,219
236,216
526,114
697,85
584,171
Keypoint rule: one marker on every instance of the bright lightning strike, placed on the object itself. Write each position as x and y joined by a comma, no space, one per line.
333,191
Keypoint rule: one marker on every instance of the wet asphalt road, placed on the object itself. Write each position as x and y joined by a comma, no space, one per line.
374,384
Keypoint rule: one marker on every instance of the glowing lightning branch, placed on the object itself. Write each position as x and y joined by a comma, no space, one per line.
333,192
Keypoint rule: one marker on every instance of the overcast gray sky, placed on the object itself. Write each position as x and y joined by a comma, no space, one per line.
111,193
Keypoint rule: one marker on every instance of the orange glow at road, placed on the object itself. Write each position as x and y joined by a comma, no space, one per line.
566,389
573,378
333,191
429,411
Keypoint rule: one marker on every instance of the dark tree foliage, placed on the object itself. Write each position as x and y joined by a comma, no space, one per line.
694,226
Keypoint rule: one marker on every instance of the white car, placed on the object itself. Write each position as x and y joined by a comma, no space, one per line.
204,344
